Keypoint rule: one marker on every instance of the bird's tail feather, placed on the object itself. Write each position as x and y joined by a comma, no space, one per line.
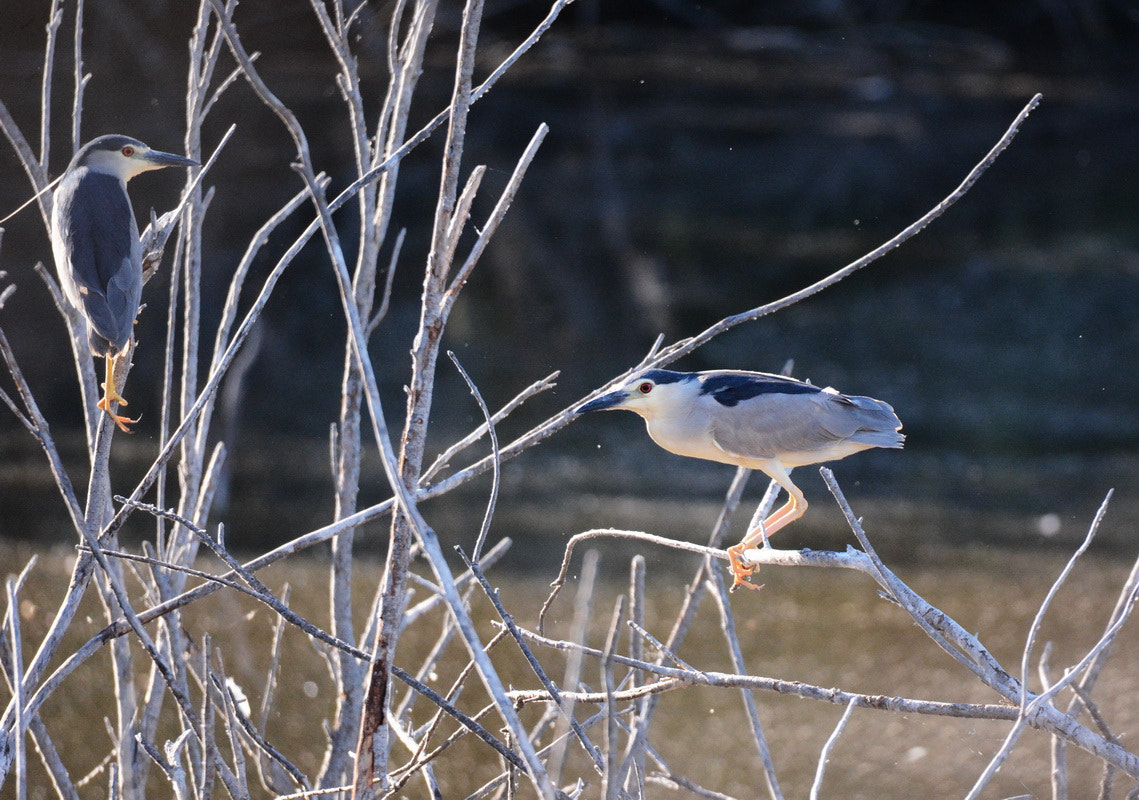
878,424
890,439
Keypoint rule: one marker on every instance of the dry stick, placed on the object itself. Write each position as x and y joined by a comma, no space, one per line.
427,771
400,776
492,500
672,678
728,627
1059,771
445,457
271,675
37,172
697,587
1109,770
402,710
825,755
633,760
118,592
37,425
692,601
80,79
680,782
199,74
171,770
15,652
1088,681
231,726
1038,619
173,566
449,221
55,17
473,726
611,784
265,749
597,533
418,758
389,280
169,582
535,666
205,731
494,783
958,642
1039,700
493,221
491,557
579,629
257,590
92,645
457,222
965,649
168,547
663,648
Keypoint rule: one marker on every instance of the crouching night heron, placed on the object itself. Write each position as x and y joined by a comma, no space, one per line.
754,420
98,255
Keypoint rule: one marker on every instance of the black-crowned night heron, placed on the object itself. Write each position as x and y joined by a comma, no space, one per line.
754,420
98,255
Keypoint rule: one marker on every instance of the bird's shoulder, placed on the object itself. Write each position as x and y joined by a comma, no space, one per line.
87,201
729,387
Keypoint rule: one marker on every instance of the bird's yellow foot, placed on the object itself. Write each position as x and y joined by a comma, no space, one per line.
740,571
105,405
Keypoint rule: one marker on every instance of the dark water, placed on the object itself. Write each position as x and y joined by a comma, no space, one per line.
690,173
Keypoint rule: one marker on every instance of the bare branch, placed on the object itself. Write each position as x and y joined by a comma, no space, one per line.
824,756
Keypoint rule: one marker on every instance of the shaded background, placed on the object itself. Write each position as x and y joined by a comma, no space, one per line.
703,159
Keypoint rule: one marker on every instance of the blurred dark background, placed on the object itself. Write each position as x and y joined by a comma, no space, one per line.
704,158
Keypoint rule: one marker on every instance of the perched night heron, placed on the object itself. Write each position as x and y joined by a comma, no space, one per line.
754,420
98,255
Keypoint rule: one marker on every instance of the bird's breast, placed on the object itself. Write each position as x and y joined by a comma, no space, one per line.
684,436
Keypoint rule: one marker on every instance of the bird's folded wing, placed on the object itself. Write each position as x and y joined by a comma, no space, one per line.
104,244
770,425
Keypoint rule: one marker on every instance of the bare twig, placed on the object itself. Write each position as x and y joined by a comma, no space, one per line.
508,620
825,755
480,540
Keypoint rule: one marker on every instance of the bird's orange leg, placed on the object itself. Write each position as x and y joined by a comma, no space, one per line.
111,395
794,508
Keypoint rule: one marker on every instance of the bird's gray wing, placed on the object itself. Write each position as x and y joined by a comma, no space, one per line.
776,423
102,244
771,424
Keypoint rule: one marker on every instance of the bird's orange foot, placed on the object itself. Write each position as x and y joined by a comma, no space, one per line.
740,571
121,421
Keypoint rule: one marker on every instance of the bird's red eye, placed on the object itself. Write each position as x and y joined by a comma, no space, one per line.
645,387
127,151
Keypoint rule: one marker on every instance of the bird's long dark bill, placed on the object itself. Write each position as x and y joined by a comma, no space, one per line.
170,159
605,402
